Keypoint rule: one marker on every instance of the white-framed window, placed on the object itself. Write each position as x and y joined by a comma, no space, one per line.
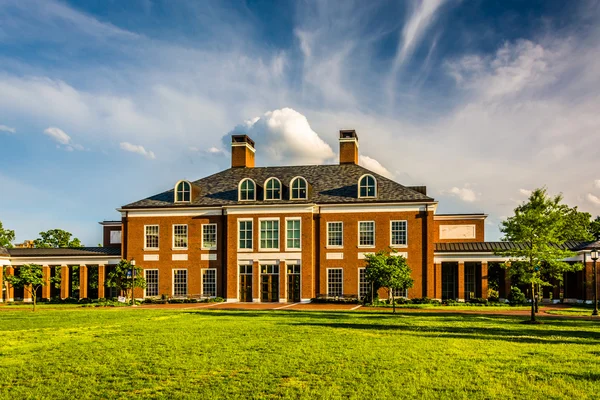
335,234
269,234
364,285
292,234
273,189
245,234
400,293
180,236
366,234
209,282
151,241
298,189
151,276
180,283
209,236
335,282
398,233
247,190
183,192
367,186
115,237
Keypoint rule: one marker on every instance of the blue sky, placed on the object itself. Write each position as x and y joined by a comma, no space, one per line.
106,102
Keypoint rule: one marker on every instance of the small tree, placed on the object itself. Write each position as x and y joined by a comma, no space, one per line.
55,238
126,277
388,270
541,226
7,236
595,228
30,279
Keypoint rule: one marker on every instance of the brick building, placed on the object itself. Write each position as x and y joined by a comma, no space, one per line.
288,234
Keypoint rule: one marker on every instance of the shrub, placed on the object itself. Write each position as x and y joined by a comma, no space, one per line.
516,297
493,295
478,300
424,300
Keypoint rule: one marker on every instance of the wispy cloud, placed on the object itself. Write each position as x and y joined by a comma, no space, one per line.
466,193
4,128
595,200
59,136
138,149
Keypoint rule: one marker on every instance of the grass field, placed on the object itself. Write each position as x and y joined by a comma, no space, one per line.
217,354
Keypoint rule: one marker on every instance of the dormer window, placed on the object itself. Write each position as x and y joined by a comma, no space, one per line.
298,189
273,189
247,190
183,192
367,186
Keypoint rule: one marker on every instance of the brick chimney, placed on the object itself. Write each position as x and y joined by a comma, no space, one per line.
348,147
242,151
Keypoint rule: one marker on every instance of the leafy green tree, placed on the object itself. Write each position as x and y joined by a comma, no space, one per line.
541,226
55,238
595,228
120,278
388,270
30,278
7,236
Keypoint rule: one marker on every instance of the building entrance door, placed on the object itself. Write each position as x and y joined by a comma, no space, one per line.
246,283
293,283
449,280
269,283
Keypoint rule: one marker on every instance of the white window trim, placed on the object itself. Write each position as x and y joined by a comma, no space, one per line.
286,233
399,246
327,246
374,238
175,197
240,189
151,248
157,280
265,189
291,188
173,237
260,248
202,246
367,197
327,287
187,282
238,235
202,282
358,288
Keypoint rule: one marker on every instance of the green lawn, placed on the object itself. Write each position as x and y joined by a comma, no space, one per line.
216,354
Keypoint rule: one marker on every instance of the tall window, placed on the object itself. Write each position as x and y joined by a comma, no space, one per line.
366,233
247,190
269,234
209,236
151,237
151,276
363,285
335,234
180,283
245,234
335,282
470,286
293,234
398,233
180,236
298,189
209,282
400,293
367,186
183,192
273,189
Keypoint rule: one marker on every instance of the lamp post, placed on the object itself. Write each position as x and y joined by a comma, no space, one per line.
594,257
132,272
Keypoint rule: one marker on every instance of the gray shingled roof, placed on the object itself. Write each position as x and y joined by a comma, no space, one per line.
483,247
3,251
65,252
329,184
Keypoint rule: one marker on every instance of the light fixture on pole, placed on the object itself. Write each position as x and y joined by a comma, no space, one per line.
132,272
594,257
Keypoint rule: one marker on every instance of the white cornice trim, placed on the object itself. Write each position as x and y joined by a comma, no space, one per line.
381,207
269,209
244,144
78,260
454,217
171,212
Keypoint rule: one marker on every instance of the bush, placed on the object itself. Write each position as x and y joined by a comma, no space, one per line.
424,300
493,295
516,297
478,300
451,302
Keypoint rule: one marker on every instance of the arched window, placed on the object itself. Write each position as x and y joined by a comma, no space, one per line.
247,189
298,189
273,189
367,186
183,192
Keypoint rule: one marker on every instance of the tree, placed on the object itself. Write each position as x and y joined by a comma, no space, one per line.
7,236
120,278
388,270
595,228
540,227
30,278
55,238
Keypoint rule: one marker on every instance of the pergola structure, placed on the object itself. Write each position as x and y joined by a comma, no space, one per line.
74,266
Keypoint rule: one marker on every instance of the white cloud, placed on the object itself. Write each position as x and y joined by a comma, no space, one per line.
374,165
465,193
137,149
597,183
4,128
58,135
595,200
525,192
